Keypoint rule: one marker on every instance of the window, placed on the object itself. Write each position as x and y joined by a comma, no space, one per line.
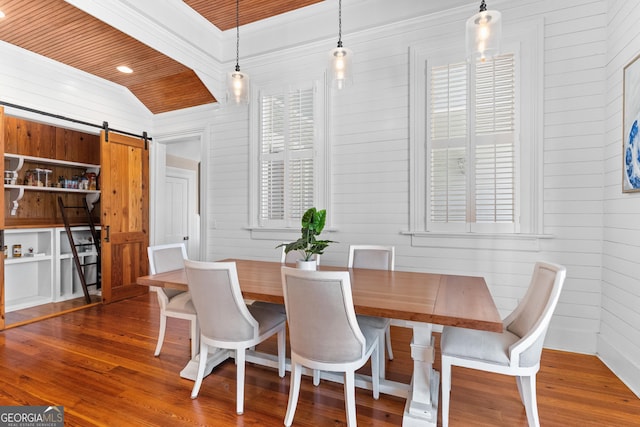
471,144
476,140
290,155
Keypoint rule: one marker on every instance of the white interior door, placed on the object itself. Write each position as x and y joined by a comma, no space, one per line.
174,159
181,216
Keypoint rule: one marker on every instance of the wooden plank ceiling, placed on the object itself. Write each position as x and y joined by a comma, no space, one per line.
222,13
62,32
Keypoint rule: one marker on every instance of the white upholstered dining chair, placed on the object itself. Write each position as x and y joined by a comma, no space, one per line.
324,334
226,322
516,351
173,303
376,257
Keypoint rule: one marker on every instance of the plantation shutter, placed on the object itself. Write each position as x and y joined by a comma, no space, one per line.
495,140
472,144
301,173
448,187
286,156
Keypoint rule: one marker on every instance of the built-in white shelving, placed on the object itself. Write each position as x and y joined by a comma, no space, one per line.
50,274
28,280
16,191
68,284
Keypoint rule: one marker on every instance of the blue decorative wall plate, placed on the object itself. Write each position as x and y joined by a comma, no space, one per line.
632,157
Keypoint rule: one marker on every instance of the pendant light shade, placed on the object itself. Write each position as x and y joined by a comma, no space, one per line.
340,59
340,66
238,87
484,31
237,81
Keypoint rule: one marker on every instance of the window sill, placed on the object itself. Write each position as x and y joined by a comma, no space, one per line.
282,234
486,241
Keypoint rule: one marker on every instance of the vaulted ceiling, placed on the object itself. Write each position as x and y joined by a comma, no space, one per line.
64,33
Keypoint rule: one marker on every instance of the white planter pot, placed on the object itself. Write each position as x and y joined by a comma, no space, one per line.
306,265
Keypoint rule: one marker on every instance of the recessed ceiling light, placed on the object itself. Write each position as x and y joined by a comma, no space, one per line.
124,69
1,14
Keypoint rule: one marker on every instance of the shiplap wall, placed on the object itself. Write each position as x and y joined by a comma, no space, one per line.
586,44
592,224
36,82
370,157
619,338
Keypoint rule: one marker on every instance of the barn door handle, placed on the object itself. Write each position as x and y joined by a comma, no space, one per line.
106,239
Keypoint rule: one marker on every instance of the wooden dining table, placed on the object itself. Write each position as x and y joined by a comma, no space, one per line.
415,300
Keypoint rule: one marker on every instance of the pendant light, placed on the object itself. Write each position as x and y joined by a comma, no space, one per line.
340,58
237,81
484,30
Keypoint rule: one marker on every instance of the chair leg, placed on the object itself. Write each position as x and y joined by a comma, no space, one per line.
382,363
202,364
294,391
350,398
388,338
520,392
316,377
376,355
527,387
240,359
163,328
282,349
445,376
195,337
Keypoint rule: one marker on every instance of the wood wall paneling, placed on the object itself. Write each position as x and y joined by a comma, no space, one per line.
35,139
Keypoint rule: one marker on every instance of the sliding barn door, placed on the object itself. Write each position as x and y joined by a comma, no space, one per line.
124,200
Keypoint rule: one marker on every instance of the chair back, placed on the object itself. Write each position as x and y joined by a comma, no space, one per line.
530,320
375,257
293,256
166,257
321,316
163,258
216,295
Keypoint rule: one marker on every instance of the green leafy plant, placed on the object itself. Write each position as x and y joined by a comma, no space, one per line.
312,225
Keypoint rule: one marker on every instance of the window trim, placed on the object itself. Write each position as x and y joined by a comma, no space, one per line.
527,38
322,154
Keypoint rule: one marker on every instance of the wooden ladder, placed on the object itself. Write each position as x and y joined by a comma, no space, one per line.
95,237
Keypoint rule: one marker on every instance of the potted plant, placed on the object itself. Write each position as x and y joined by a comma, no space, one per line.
308,245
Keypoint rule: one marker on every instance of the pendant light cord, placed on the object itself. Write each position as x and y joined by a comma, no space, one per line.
483,6
339,23
237,35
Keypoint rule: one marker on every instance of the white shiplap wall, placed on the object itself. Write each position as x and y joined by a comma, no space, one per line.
594,227
30,80
370,158
619,339
586,42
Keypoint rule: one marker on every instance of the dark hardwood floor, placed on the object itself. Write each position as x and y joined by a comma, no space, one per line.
98,363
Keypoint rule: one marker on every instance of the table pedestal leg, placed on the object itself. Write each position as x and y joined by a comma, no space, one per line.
190,371
422,403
